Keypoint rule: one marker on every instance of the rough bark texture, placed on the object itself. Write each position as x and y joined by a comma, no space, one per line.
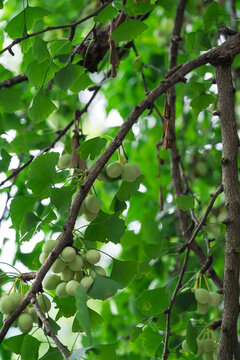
228,347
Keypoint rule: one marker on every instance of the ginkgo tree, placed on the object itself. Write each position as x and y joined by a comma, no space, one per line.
126,233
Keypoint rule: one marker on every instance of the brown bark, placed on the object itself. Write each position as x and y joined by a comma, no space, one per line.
228,347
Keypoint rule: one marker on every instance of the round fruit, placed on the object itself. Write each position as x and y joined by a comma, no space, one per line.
51,281
61,290
68,254
199,344
92,203
25,322
215,299
82,209
207,356
202,296
76,264
64,161
6,305
48,246
114,169
185,346
137,168
58,266
33,314
93,256
208,346
97,270
129,172
202,308
42,257
86,282
15,297
72,287
44,302
89,216
67,274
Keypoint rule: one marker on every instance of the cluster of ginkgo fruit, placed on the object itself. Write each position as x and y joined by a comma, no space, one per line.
206,345
204,297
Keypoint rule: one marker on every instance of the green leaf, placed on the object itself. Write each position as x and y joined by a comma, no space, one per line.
5,161
41,107
202,41
105,227
128,30
202,101
42,172
38,74
1,4
28,222
95,320
82,83
14,343
211,15
150,340
66,306
184,302
128,189
103,288
61,198
66,76
30,342
191,337
152,302
52,353
106,14
135,332
11,100
39,50
55,327
140,8
24,21
124,271
83,314
185,202
104,352
19,207
91,148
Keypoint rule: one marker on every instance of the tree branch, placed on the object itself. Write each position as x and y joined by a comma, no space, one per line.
228,346
13,80
65,353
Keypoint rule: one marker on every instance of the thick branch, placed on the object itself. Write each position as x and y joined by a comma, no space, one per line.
13,81
228,347
47,326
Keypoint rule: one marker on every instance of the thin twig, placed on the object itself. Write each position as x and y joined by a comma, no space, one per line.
50,28
65,353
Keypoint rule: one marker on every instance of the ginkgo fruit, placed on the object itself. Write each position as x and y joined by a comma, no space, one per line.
67,274
86,282
92,203
202,308
215,299
97,270
76,264
43,302
61,290
208,346
64,161
25,322
48,246
185,346
33,314
72,287
58,266
51,281
114,169
202,296
93,256
6,305
68,254
129,172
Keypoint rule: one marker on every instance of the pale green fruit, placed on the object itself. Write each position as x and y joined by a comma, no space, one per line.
44,302
25,322
93,256
86,282
114,169
185,346
64,161
202,296
129,172
67,274
208,346
92,204
68,254
82,209
97,270
137,168
72,287
76,264
6,305
215,299
51,281
42,257
199,343
48,246
89,216
202,308
58,266
61,290
15,297
33,314
208,356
